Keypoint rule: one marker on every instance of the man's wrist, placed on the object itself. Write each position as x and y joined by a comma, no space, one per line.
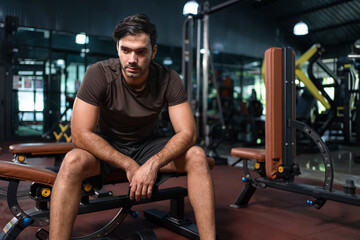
155,162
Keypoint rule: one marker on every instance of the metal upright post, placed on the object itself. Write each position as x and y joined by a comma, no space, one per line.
288,107
187,56
347,130
202,19
198,76
205,68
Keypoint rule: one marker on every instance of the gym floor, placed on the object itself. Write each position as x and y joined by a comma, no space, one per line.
271,214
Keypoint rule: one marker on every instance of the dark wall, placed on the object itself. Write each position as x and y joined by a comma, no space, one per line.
237,29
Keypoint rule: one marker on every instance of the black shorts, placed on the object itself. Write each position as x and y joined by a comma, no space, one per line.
140,151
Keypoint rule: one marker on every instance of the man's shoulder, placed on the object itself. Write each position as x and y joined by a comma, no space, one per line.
109,68
161,72
111,64
158,67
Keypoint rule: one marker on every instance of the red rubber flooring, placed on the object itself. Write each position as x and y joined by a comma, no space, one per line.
271,214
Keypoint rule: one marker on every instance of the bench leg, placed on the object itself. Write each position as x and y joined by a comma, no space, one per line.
244,197
236,162
12,229
174,220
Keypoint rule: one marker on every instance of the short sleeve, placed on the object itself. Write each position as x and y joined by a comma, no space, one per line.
93,85
175,93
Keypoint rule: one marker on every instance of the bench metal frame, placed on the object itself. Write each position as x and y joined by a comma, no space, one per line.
38,216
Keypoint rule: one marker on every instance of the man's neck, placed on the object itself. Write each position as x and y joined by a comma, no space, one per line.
138,88
137,84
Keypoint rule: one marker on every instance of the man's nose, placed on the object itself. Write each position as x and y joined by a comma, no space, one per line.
133,58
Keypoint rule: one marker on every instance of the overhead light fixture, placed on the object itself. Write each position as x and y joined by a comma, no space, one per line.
353,55
60,62
191,8
301,29
81,38
357,43
168,61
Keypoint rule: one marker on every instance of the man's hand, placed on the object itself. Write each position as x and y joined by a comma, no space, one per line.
131,171
142,182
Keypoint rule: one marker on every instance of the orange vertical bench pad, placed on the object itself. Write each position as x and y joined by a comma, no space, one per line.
273,118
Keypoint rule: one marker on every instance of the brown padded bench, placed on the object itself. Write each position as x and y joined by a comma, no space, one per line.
43,179
51,149
27,173
35,149
249,153
272,154
45,176
30,150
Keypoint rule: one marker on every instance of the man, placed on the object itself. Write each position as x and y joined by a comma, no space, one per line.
114,117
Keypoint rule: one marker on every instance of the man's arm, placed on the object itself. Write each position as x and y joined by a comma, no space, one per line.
182,120
83,126
185,136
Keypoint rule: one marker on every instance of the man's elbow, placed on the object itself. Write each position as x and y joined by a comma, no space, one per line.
192,138
76,138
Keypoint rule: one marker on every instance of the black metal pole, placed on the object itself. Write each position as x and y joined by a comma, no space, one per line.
220,6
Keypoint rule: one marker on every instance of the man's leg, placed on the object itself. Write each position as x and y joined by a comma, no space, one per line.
64,205
200,189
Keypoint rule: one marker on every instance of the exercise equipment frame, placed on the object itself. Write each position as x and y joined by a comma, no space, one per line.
275,164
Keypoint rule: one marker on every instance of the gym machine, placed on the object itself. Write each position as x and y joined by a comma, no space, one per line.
275,164
341,107
199,100
348,99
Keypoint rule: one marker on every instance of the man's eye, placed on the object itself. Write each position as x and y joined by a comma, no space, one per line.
125,51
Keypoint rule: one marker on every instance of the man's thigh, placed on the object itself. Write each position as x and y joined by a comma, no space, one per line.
177,165
183,162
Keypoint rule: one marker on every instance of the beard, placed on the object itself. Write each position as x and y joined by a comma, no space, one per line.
133,70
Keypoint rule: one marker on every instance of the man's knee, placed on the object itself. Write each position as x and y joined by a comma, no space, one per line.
197,159
77,163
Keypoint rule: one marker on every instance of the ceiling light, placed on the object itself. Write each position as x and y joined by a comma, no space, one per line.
60,62
81,38
301,28
353,55
357,43
168,61
191,7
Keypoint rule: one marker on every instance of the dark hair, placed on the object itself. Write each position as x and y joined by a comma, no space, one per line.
132,25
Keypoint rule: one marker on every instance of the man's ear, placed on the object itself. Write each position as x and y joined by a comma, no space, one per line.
154,52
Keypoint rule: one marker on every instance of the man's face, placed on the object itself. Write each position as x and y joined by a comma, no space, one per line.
135,53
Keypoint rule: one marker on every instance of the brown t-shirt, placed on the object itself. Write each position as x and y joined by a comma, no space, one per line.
126,114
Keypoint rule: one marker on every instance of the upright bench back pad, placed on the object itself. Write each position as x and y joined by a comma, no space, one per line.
274,110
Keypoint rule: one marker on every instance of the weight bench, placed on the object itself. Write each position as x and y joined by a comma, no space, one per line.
275,163
24,151
43,179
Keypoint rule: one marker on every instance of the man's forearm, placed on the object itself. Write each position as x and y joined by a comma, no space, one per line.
101,149
176,146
